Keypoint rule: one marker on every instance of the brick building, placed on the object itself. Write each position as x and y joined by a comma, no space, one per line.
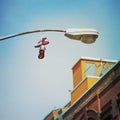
95,94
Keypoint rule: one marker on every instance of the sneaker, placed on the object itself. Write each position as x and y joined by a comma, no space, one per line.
41,54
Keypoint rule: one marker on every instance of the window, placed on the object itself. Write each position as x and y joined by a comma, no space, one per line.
107,111
90,69
90,118
108,117
118,102
90,114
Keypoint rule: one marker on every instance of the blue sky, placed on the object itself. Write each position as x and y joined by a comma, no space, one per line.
30,88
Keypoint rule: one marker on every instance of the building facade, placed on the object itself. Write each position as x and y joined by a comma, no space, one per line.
96,92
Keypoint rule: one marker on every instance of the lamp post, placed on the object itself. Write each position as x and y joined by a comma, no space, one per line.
83,34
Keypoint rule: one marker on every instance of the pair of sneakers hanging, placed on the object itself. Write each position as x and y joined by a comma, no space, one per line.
41,45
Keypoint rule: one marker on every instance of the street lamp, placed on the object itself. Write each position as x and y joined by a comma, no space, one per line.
84,35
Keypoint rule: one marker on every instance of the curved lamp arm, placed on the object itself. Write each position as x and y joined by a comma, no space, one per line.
29,32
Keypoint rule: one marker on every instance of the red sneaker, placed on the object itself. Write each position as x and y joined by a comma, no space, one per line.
41,54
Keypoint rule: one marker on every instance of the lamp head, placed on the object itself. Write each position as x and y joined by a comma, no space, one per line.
85,35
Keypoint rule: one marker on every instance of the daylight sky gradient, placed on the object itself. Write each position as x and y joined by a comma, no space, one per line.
30,88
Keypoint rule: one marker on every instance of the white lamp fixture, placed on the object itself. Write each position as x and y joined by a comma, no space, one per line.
84,35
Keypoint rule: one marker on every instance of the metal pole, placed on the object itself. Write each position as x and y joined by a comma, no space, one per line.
29,32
